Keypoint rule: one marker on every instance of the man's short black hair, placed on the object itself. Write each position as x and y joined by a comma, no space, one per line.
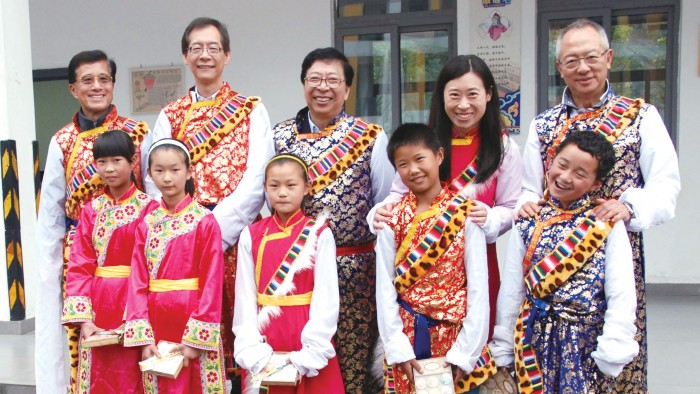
412,134
86,57
203,22
596,145
327,54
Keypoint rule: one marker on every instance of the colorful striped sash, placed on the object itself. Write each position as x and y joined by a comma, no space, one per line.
228,118
294,250
465,178
623,111
87,179
418,262
339,158
543,279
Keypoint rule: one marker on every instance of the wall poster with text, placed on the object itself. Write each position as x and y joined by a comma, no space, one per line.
495,37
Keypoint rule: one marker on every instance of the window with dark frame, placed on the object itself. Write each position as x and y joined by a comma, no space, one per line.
397,48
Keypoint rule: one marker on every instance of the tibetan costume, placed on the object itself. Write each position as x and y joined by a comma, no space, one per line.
70,181
645,176
568,299
175,294
500,193
221,133
287,301
432,295
96,287
350,172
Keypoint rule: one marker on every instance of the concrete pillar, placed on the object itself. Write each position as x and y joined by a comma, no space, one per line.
17,133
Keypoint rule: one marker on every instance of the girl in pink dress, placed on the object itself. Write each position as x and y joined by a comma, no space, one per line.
176,284
287,287
97,278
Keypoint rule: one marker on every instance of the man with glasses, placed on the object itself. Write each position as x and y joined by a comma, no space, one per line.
70,181
350,173
229,139
642,188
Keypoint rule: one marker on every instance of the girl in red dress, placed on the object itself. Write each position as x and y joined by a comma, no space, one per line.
287,287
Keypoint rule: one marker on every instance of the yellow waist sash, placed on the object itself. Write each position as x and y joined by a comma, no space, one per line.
289,300
164,285
115,271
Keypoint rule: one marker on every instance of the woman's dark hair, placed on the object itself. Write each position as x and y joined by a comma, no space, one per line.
490,153
594,144
170,146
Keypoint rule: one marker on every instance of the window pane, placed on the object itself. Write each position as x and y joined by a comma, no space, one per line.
370,96
348,8
639,65
422,56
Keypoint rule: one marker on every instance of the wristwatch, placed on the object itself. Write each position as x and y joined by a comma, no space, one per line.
629,208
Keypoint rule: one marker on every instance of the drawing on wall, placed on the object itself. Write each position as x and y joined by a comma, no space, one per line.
153,88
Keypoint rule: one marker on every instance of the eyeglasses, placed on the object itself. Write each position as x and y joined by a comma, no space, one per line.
102,79
572,63
197,50
332,82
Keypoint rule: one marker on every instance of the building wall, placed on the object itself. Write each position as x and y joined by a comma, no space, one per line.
270,39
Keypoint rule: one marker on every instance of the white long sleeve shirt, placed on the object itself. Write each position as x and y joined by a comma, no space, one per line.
616,346
471,339
249,350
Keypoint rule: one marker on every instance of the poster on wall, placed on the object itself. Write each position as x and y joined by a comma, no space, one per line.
495,37
153,88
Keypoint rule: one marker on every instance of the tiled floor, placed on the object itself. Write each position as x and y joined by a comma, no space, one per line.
674,348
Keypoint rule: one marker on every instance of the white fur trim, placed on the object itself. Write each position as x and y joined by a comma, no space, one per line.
304,261
378,362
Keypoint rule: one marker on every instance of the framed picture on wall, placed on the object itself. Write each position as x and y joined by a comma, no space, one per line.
152,88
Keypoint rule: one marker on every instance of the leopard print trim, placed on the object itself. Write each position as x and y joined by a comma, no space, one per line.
95,182
527,370
484,369
356,151
425,262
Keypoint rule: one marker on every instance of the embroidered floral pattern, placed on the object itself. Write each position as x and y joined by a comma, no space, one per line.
83,384
202,335
77,309
211,370
138,332
112,215
150,383
164,227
